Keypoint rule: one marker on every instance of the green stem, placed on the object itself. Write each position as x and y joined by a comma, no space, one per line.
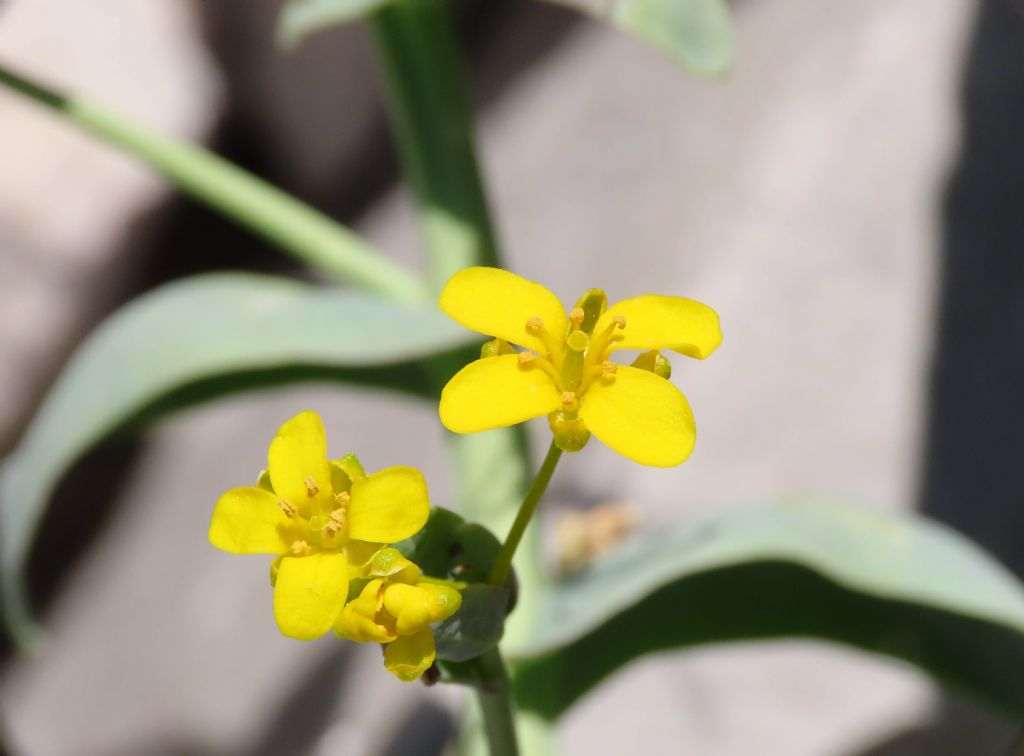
496,705
418,55
502,565
293,226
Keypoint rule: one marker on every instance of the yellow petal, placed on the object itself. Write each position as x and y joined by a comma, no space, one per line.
358,621
310,593
657,322
495,392
409,656
495,302
250,521
298,463
389,505
417,606
641,416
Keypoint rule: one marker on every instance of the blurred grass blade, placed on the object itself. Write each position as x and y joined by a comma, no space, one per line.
300,18
696,34
899,586
191,341
293,226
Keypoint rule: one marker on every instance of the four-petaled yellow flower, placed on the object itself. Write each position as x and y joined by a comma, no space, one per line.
325,519
396,608
565,371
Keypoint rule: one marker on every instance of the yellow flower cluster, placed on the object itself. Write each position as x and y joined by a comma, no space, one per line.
329,524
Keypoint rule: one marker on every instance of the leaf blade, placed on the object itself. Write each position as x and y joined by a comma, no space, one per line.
187,342
902,587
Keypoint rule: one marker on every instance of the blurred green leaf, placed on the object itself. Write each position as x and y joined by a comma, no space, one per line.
292,226
696,34
191,341
899,586
300,18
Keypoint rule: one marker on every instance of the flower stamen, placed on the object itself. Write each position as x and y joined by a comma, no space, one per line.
312,489
288,508
335,523
576,317
299,548
535,325
528,359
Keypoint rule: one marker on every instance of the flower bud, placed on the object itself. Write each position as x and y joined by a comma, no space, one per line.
495,348
654,362
593,304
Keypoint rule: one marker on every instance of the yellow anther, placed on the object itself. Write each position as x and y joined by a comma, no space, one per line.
312,489
576,317
299,548
343,498
619,320
609,368
525,359
568,397
287,507
336,523
534,324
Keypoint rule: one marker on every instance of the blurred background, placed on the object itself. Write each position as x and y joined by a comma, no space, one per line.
850,199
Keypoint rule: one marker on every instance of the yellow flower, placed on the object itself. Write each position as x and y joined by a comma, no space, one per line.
565,371
397,609
323,518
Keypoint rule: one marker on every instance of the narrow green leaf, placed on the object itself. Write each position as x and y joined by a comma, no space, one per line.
293,226
191,341
300,18
696,34
899,586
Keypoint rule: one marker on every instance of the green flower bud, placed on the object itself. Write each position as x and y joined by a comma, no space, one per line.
593,304
495,348
654,362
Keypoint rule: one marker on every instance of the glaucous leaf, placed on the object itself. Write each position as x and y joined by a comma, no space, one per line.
696,34
902,586
191,341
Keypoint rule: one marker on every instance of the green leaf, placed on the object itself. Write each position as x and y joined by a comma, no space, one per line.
696,34
300,18
898,586
292,226
191,341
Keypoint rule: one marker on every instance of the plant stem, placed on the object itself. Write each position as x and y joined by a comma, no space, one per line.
431,119
293,226
418,55
497,706
502,565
